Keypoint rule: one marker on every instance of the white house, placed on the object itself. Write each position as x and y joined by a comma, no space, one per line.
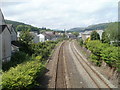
85,35
18,35
41,38
100,33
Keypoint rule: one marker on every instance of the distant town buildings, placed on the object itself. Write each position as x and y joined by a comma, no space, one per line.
86,34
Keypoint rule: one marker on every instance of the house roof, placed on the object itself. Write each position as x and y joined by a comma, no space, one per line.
87,32
41,35
10,26
70,35
2,20
49,33
2,28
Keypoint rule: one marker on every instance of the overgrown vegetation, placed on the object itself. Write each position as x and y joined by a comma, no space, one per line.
103,51
28,64
23,75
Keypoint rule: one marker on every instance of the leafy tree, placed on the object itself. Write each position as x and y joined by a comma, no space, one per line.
95,36
81,42
105,38
26,37
113,33
76,34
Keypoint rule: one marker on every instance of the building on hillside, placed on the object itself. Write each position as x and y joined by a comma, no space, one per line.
70,35
100,33
49,35
35,37
41,38
85,35
79,36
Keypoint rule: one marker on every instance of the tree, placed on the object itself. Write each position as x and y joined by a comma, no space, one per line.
95,36
114,34
105,38
76,34
26,37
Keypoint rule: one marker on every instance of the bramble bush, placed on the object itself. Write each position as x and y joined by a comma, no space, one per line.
103,51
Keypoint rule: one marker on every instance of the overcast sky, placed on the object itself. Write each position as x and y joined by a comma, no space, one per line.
61,14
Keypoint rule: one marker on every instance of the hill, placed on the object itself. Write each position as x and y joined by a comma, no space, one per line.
77,29
101,26
32,28
14,23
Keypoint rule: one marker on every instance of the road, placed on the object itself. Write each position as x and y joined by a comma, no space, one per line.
68,68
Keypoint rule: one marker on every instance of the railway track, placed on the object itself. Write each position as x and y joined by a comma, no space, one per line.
60,81
88,68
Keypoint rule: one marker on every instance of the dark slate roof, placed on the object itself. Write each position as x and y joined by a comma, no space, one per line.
10,26
2,28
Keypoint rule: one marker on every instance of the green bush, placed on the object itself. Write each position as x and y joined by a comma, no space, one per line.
111,56
103,51
22,76
81,42
16,58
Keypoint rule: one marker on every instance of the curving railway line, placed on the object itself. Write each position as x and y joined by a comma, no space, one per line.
69,69
96,78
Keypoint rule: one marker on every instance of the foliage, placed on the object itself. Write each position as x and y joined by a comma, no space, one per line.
112,31
23,28
76,34
25,36
87,40
95,36
23,76
16,58
81,42
43,48
105,38
111,56
113,34
104,51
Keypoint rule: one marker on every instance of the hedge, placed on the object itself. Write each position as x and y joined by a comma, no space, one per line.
22,76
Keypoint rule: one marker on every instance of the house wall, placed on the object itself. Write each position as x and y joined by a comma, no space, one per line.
41,38
85,36
36,39
13,35
6,45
